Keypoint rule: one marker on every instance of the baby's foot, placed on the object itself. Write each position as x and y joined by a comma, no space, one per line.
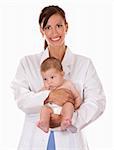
65,124
43,126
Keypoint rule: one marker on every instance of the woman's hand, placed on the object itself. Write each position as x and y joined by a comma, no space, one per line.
60,97
55,120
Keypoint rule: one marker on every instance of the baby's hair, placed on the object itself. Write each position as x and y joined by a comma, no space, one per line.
51,62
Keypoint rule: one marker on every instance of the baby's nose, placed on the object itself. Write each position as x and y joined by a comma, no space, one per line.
49,81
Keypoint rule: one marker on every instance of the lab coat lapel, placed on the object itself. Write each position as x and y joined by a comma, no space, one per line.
45,55
67,63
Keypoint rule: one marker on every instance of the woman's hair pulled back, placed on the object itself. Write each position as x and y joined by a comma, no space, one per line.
46,13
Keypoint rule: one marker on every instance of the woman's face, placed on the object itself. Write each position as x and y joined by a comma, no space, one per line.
55,30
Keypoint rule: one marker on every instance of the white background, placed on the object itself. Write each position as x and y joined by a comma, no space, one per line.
90,34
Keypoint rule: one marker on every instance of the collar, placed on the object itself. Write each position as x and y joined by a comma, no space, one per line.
67,60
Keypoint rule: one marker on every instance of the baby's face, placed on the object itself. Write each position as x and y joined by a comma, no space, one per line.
52,78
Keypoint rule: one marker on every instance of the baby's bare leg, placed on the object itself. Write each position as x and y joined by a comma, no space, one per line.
67,113
44,119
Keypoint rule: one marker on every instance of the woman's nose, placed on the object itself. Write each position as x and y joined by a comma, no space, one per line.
54,31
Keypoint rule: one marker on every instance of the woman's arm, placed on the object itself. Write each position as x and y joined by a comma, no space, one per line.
27,100
77,97
94,100
60,96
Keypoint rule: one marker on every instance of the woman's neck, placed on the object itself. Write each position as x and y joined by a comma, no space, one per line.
57,52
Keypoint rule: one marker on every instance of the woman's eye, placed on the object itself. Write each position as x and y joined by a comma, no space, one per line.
48,28
59,25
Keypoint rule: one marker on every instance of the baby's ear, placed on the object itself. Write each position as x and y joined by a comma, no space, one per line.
63,73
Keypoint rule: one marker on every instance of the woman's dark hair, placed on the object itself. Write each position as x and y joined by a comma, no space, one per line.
46,13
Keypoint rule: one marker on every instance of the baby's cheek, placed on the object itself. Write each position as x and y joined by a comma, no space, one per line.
46,85
57,84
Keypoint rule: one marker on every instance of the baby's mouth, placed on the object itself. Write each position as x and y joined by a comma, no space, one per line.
51,88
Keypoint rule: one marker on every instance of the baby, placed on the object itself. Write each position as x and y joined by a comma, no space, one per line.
53,78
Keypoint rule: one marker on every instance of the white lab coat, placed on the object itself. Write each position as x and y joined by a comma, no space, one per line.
28,81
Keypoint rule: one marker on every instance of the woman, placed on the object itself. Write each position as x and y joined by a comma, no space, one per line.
28,81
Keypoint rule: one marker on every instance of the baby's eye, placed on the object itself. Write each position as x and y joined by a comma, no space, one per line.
44,79
52,77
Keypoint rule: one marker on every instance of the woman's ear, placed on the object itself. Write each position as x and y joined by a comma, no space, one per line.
42,32
66,27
